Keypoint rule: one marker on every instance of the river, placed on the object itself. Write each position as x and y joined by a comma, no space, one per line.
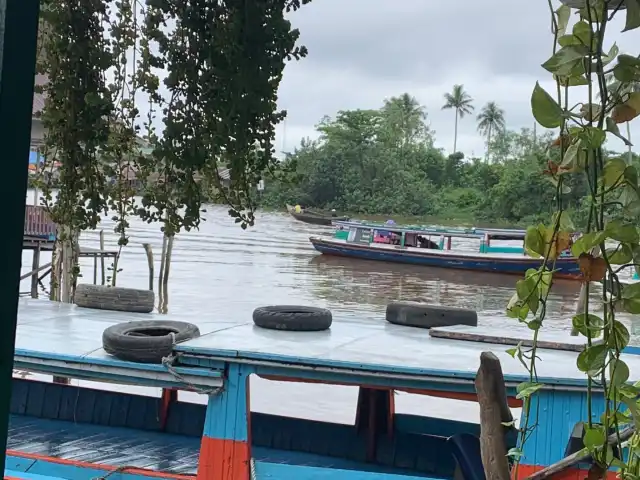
222,271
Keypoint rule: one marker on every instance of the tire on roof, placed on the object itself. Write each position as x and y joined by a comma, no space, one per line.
146,341
102,297
294,318
422,315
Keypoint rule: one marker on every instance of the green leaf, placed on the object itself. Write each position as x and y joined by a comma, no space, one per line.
592,359
620,336
631,175
545,109
627,69
596,8
622,232
565,60
516,308
586,242
633,15
610,57
594,437
582,31
569,161
534,242
512,352
593,137
618,372
620,255
562,19
612,127
566,40
613,172
527,290
588,325
514,452
526,389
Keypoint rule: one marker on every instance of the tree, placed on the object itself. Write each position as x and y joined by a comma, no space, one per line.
490,119
461,102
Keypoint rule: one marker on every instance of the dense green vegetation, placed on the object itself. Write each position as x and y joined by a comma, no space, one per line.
384,162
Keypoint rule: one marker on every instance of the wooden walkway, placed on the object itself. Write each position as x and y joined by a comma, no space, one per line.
40,236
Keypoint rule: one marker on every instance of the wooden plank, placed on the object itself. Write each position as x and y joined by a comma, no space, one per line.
552,340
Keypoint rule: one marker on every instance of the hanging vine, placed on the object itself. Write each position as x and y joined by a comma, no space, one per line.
224,62
611,243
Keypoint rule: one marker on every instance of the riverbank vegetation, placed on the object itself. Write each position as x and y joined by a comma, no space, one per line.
384,162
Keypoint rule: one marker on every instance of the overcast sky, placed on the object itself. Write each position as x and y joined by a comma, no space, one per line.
363,51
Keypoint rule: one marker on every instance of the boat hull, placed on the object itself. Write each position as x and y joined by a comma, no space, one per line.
316,219
567,267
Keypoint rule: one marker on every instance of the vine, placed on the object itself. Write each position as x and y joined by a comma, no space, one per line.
224,62
611,242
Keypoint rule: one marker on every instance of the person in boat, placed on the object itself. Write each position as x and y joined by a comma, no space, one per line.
298,209
333,212
424,242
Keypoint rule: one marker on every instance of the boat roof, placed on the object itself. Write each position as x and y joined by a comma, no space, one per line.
471,232
50,332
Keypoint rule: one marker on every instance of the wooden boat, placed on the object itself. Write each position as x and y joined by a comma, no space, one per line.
313,217
68,432
393,243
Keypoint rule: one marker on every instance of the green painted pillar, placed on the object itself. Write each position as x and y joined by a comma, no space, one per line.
18,34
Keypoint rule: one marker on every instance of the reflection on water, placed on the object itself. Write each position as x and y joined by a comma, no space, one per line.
222,271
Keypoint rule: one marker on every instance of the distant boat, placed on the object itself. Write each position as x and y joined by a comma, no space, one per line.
416,245
313,217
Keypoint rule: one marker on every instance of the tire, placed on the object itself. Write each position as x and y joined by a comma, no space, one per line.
422,315
120,299
293,318
146,341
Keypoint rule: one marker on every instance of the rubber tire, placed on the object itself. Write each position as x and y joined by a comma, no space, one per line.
121,299
117,341
293,318
422,315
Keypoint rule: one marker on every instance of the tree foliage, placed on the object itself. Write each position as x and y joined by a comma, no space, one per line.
384,162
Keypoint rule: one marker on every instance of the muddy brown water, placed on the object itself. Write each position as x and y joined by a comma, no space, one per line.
224,271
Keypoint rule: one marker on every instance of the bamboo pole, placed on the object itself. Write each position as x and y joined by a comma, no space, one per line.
149,252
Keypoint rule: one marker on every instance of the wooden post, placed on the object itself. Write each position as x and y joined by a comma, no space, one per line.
149,252
374,416
35,267
494,411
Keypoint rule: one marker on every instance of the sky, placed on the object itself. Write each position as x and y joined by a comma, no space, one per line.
364,51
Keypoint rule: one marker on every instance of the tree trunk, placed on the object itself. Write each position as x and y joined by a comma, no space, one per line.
455,133
488,144
494,411
64,265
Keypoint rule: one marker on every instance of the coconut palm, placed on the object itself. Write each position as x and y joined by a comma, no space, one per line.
490,120
459,100
620,91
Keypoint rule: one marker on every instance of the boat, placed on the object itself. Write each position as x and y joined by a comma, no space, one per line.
417,245
60,431
313,217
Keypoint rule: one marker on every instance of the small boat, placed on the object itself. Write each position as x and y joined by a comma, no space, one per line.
416,245
79,432
313,217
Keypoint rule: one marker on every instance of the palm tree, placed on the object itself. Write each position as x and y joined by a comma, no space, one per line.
620,91
490,119
459,100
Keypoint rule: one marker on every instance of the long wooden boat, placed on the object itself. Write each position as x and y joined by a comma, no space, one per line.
393,243
69,432
315,218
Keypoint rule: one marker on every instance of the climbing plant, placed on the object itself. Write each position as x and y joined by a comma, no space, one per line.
218,109
224,63
585,112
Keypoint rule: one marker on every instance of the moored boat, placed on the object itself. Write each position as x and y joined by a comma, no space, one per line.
313,217
417,245
70,432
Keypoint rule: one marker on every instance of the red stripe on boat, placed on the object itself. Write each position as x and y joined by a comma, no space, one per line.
224,459
108,468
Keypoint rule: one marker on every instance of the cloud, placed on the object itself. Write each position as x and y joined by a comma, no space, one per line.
363,51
